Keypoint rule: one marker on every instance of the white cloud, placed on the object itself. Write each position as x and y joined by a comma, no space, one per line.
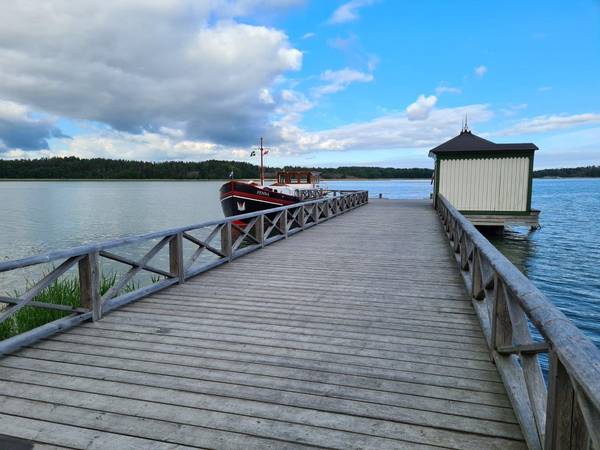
513,110
445,89
570,148
421,108
308,36
137,65
338,80
348,12
480,71
148,146
266,97
393,131
541,124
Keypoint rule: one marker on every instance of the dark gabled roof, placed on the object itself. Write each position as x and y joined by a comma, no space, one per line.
468,142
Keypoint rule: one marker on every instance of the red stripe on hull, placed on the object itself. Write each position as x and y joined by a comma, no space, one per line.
264,198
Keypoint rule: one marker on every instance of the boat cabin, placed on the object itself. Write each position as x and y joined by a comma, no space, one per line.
302,184
489,183
298,177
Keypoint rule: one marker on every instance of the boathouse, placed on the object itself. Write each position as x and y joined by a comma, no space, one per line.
489,183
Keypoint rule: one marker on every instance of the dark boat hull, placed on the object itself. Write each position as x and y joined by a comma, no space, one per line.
242,198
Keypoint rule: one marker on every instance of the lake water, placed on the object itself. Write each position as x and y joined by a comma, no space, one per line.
562,258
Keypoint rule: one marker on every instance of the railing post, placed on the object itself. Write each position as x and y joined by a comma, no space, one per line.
89,284
176,266
301,217
226,240
477,285
259,230
316,207
501,324
283,222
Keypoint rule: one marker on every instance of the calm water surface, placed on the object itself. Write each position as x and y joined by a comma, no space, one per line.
562,259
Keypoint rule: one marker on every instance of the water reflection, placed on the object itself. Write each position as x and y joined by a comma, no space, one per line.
515,243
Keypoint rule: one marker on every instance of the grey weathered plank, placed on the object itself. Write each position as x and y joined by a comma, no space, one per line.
47,432
385,379
280,378
364,432
356,352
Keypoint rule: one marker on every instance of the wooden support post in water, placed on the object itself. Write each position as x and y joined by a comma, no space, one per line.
176,265
89,284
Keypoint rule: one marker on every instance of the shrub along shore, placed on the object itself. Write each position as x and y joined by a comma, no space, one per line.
64,291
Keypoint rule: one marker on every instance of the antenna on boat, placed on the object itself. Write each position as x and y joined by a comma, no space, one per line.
262,167
263,151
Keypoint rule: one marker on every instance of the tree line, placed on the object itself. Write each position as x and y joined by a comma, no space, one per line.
573,172
105,169
99,168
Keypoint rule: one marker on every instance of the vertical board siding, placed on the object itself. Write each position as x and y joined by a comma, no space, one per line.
485,184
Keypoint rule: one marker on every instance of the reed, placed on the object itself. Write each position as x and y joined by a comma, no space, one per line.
64,291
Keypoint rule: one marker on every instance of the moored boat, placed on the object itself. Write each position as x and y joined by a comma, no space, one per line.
241,197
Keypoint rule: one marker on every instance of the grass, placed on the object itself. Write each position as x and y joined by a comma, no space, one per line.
62,292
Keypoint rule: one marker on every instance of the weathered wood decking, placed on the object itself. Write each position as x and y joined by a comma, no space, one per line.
357,333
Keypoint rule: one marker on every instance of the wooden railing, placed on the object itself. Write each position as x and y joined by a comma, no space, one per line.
565,412
185,248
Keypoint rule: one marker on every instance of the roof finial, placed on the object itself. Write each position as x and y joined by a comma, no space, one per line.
465,127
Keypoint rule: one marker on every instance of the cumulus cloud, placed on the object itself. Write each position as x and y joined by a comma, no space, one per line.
338,80
480,71
349,11
20,130
546,123
421,108
147,145
138,66
393,131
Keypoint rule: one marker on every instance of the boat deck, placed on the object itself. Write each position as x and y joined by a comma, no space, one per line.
357,333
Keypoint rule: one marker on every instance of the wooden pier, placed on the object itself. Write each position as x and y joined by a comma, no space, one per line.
358,333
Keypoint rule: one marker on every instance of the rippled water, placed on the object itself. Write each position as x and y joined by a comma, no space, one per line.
562,259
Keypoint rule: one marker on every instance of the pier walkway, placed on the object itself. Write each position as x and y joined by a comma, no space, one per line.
358,333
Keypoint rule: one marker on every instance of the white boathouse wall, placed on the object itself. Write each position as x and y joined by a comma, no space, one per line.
485,184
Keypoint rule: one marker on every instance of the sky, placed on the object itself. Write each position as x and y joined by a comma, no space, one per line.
325,82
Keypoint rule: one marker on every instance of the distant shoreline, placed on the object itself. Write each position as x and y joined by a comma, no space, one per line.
189,180
200,179
102,169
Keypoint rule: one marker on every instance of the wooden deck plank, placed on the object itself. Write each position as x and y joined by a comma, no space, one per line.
292,379
374,345
161,417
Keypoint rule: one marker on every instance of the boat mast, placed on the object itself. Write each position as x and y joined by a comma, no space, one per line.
262,169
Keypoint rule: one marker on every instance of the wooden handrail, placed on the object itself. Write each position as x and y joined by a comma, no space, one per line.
262,228
565,413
